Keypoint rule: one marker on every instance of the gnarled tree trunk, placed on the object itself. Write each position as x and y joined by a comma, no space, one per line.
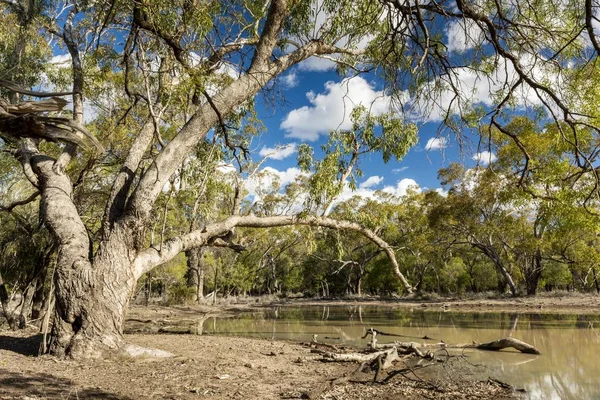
91,301
534,274
195,272
94,282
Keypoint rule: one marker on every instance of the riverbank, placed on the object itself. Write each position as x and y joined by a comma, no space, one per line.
219,367
553,302
208,367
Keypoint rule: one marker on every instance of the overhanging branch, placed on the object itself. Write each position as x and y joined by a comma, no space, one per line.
151,258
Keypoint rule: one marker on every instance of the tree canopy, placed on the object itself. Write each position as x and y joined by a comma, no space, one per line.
163,94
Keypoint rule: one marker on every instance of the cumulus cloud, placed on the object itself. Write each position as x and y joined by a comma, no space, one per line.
280,152
316,64
442,192
290,80
320,64
371,181
270,180
402,187
477,88
265,180
331,110
226,168
61,60
485,157
463,35
436,144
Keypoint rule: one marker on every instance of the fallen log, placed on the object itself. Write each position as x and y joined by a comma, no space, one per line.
495,345
508,342
389,356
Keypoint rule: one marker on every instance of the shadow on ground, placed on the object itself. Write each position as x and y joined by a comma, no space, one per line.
16,385
27,346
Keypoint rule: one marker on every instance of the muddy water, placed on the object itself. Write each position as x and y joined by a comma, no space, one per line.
569,367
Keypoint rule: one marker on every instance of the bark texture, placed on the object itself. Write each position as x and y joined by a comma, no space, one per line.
94,283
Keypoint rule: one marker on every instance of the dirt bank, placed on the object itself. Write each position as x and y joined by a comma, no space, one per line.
216,367
544,303
212,367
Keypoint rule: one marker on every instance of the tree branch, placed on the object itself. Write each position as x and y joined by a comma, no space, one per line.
278,10
148,259
70,150
204,119
18,203
17,89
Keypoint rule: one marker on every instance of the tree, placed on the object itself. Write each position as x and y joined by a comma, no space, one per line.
94,282
188,67
476,214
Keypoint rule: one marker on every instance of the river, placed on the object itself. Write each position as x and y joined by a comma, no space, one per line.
568,368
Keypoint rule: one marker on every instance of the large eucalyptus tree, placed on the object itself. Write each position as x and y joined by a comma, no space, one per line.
180,69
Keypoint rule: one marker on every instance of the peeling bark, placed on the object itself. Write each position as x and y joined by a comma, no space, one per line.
93,290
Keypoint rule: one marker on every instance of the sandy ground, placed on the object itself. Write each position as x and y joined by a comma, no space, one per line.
205,367
213,367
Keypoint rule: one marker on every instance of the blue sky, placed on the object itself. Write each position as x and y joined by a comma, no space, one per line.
318,100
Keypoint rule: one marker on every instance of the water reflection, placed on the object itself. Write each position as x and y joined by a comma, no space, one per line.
567,369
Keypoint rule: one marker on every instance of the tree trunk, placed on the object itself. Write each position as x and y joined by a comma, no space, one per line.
26,302
533,277
491,253
39,297
195,272
39,280
5,306
90,311
91,300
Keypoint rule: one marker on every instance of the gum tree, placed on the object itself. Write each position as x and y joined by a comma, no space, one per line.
164,75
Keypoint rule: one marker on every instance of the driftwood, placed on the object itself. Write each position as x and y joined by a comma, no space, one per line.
496,345
380,357
413,347
508,342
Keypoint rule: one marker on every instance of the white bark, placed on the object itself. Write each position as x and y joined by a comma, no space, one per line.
150,258
93,290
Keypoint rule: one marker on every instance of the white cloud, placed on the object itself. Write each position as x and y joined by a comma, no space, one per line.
290,80
331,110
363,192
265,180
485,157
61,60
226,168
271,181
436,144
463,35
371,181
402,187
442,192
398,170
478,88
280,152
316,64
